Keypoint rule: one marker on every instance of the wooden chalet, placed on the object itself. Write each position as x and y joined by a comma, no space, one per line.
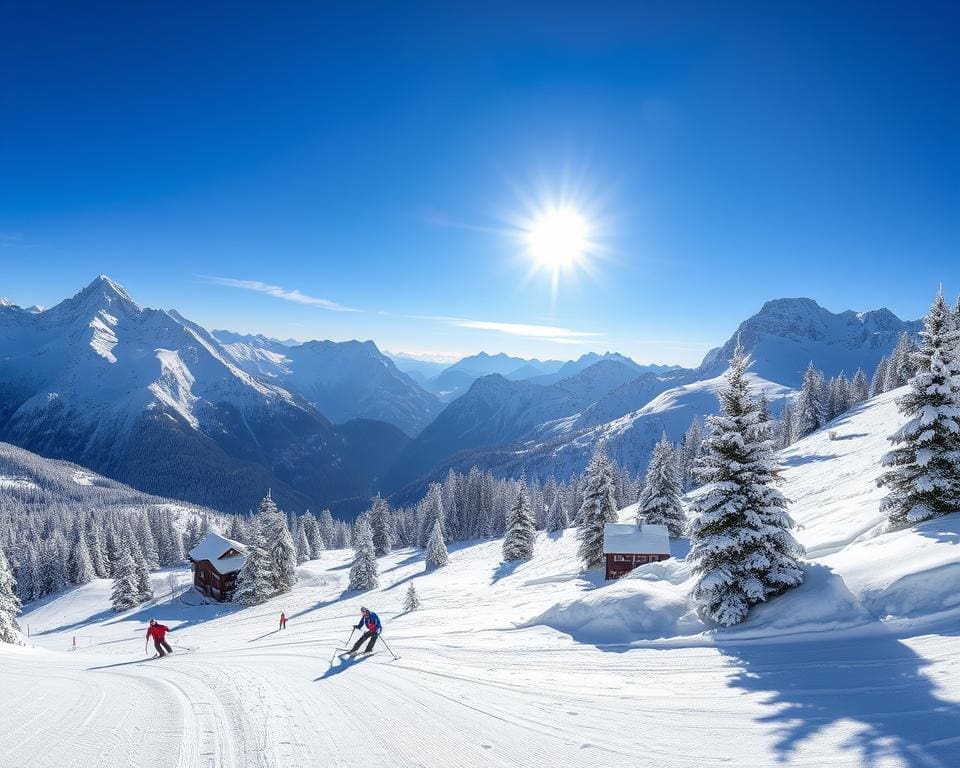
625,546
215,562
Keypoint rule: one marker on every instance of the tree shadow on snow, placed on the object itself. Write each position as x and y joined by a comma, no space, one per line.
405,579
799,461
851,436
506,569
417,555
945,530
871,679
320,606
183,614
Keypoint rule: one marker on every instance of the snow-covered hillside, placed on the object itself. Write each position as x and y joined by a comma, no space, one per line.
34,481
858,578
531,664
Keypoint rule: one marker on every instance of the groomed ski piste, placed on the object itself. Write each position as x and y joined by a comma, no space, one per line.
531,664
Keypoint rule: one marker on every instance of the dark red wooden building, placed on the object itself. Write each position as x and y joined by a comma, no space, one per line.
625,546
216,561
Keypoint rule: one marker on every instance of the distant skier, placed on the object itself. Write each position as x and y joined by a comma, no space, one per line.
371,621
283,620
158,632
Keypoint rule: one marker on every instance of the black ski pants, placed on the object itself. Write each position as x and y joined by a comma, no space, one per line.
369,635
162,646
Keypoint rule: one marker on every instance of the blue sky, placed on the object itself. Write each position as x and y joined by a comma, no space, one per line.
235,163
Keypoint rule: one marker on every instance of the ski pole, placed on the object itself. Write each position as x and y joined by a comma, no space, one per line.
395,657
346,643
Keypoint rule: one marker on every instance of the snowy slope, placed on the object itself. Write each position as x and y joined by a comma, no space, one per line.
836,505
856,668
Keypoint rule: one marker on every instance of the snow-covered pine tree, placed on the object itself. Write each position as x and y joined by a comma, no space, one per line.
839,395
452,506
519,538
278,544
79,565
303,545
364,574
314,537
98,550
692,441
660,503
145,540
859,388
596,509
327,531
763,407
741,546
924,466
412,600
432,511
556,515
808,414
786,426
255,580
436,548
381,525
9,605
142,572
125,593
609,486
879,380
901,366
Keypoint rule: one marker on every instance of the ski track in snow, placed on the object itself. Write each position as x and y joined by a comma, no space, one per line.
472,689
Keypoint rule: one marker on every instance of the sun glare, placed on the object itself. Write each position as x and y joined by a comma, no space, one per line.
558,238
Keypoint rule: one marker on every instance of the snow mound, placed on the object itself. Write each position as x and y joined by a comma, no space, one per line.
858,577
649,603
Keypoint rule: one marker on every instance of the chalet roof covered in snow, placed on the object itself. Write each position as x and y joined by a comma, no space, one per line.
213,546
627,538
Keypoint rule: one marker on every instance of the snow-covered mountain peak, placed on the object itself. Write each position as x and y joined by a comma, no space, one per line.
786,334
102,297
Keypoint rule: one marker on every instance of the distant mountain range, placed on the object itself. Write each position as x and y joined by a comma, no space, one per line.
508,427
451,381
154,400
343,381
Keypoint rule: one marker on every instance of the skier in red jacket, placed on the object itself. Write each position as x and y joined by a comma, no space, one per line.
158,631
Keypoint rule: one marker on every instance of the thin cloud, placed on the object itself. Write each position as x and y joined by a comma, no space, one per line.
280,293
549,333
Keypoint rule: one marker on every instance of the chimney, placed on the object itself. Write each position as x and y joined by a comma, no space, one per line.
641,520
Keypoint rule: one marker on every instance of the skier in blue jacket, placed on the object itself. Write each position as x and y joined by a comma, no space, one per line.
371,621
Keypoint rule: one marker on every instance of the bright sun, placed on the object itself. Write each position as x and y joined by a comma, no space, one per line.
558,238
